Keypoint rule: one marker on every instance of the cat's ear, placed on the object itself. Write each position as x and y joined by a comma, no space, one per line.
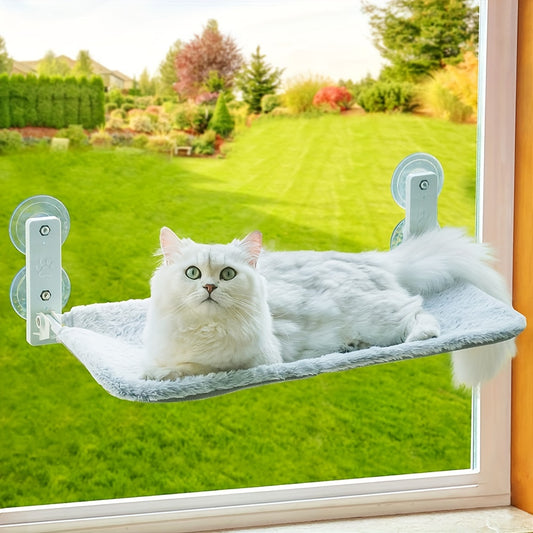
253,244
170,244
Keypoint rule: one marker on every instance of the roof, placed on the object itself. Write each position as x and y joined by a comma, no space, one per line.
29,67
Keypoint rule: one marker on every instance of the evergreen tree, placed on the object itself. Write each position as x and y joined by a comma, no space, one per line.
418,36
146,84
256,80
72,101
97,101
58,103
167,71
5,121
50,65
6,63
31,100
44,101
222,122
17,101
85,116
83,65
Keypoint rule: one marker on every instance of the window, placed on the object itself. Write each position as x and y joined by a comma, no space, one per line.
486,483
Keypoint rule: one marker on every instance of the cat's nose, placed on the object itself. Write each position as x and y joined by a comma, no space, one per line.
210,287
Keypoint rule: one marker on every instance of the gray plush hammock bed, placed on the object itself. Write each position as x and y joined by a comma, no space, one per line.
107,338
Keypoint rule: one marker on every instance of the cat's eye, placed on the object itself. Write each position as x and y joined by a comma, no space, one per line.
193,272
227,273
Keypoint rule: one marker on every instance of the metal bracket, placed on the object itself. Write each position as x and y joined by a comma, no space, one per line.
43,277
421,208
416,184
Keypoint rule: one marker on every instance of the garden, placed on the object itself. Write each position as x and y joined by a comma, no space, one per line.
308,162
64,439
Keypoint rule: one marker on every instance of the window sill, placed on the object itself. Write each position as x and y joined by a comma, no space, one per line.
500,519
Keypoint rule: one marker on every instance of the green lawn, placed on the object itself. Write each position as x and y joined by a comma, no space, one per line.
320,183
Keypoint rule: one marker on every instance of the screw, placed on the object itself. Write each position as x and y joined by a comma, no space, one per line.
424,185
46,295
44,230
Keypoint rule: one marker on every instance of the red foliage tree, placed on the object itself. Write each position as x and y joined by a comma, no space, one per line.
335,97
207,57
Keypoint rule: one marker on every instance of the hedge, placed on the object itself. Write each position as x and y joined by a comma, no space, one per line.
51,102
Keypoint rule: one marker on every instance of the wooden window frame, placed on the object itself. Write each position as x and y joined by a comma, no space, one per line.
485,484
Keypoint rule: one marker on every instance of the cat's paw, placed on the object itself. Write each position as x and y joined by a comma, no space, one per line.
425,327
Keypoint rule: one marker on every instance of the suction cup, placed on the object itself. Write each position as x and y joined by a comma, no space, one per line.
397,234
34,207
17,292
414,164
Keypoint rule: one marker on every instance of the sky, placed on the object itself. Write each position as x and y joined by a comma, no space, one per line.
321,37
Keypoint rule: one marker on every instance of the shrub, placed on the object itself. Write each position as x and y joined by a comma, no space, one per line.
181,138
200,118
122,138
58,99
205,144
75,134
387,96
222,122
300,91
10,141
4,101
115,120
97,93
72,101
451,92
141,122
101,139
139,141
160,143
17,101
269,102
333,96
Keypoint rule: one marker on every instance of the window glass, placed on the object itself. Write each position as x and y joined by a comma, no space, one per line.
315,180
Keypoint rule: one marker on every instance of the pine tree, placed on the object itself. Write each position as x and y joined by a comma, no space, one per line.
167,71
83,65
222,122
256,80
6,63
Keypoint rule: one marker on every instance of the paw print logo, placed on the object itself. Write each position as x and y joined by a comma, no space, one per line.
44,269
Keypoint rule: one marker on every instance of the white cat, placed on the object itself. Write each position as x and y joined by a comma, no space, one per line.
221,307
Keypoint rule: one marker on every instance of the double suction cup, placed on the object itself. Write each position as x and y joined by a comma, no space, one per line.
416,183
36,207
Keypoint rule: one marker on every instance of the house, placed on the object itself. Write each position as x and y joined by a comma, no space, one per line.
113,79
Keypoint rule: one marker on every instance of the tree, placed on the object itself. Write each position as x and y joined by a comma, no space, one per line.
51,65
418,36
167,71
210,52
83,66
6,63
222,122
146,84
333,96
256,80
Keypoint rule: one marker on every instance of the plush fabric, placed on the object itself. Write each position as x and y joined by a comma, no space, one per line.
107,339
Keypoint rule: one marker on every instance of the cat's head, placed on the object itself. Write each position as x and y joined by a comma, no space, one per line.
208,279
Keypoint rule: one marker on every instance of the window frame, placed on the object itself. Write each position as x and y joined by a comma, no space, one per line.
485,484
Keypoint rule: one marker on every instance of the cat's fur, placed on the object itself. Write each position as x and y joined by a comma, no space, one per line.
283,306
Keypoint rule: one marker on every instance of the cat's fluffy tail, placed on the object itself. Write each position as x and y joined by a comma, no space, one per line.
434,261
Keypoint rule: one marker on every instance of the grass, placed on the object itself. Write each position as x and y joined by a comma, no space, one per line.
316,183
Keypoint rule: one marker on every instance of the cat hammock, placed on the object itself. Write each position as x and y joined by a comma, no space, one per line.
107,338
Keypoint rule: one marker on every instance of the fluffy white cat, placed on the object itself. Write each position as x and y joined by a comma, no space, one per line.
222,307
